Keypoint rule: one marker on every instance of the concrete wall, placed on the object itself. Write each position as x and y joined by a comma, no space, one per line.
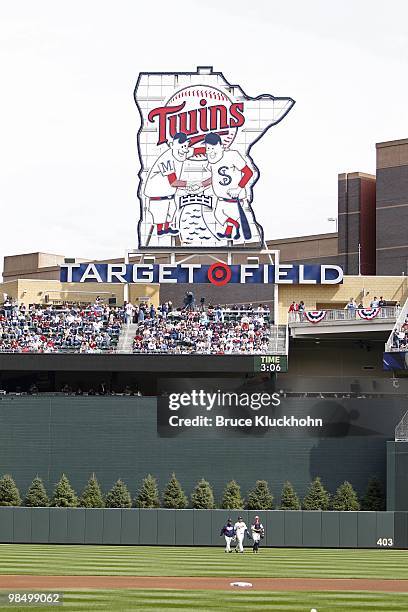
29,291
134,526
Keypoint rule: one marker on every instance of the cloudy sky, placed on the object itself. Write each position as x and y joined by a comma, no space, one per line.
68,123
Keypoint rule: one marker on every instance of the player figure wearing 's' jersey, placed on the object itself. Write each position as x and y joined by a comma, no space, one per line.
163,181
229,177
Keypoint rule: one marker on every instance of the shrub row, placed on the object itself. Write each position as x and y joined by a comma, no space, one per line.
259,498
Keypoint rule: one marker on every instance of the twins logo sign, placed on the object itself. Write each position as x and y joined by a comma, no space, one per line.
197,174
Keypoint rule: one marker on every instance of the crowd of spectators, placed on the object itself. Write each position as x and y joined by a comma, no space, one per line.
203,330
93,328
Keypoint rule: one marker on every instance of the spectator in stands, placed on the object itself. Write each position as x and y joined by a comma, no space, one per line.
219,315
189,300
293,311
351,308
141,315
382,304
7,306
375,302
129,312
301,310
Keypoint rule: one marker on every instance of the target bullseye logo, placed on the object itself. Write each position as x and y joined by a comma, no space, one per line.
219,274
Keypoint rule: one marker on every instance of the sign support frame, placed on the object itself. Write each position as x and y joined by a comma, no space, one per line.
218,254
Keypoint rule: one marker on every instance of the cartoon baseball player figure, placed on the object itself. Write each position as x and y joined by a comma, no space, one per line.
163,181
228,532
240,530
258,532
229,176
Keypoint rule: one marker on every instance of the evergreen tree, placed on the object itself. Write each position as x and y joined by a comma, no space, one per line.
374,498
345,498
203,496
317,498
9,494
64,495
36,494
260,498
173,494
289,498
232,499
148,496
118,496
91,496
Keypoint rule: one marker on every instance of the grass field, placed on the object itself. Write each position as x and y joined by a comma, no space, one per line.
171,561
208,601
196,561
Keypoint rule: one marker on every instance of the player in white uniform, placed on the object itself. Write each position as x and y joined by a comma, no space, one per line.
258,532
163,181
240,530
229,177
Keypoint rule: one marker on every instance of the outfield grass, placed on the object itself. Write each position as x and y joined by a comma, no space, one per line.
209,601
48,559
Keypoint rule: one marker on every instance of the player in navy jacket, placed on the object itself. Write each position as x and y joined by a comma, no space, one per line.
228,532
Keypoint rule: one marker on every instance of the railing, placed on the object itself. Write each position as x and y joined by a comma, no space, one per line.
345,314
214,314
279,340
397,328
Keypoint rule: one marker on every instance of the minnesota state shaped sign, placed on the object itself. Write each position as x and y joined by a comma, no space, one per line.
197,174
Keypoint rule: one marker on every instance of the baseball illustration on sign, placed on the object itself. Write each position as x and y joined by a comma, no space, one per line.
197,174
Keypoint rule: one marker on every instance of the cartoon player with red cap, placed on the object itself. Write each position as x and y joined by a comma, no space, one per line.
229,176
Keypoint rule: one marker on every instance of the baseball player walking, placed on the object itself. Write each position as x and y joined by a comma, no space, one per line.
229,177
240,530
258,532
228,532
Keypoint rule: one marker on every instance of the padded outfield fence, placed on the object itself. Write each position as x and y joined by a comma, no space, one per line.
133,526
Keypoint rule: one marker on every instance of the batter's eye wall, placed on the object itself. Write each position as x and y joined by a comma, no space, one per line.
116,437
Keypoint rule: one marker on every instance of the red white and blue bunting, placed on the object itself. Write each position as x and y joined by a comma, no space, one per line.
315,316
368,314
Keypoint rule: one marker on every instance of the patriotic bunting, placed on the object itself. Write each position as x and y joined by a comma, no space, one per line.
368,314
315,316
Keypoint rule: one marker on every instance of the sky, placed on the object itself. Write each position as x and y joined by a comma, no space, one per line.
68,122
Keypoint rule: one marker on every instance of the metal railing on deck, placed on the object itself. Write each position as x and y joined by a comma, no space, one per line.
345,314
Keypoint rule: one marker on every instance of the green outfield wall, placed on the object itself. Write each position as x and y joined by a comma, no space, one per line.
116,437
161,527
